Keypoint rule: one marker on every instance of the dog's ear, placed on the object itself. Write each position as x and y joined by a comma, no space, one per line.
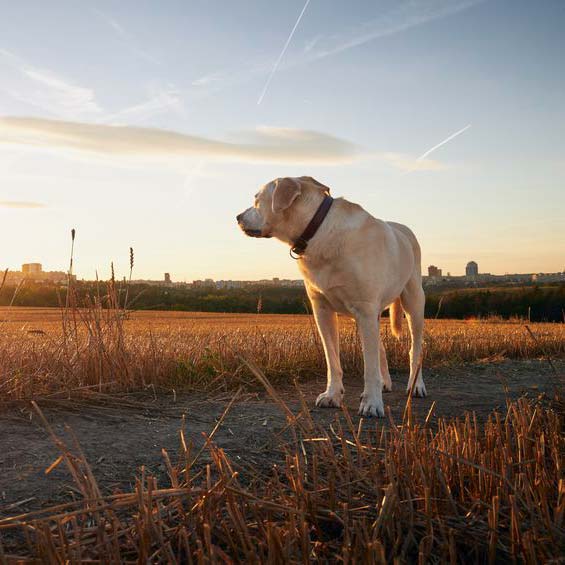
318,183
285,193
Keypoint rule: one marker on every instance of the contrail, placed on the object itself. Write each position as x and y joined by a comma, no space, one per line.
453,135
282,54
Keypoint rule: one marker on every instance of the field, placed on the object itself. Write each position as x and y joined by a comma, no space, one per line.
179,437
50,352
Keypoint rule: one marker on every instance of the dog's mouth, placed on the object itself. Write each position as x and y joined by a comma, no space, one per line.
254,233
257,233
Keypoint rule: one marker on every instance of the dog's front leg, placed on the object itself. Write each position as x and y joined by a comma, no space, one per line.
326,320
368,321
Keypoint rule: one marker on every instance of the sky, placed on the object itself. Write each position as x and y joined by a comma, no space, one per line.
152,125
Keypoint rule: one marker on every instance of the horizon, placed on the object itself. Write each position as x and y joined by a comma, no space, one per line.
206,277
158,125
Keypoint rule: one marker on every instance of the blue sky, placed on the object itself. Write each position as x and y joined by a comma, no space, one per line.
138,124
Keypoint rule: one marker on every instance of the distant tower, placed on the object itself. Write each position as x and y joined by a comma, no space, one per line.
167,278
472,269
31,268
433,271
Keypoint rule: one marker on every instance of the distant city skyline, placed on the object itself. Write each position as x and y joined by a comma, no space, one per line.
33,268
472,278
139,125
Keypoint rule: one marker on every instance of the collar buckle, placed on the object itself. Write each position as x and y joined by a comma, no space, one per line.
301,243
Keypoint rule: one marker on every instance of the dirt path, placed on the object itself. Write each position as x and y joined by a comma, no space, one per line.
126,433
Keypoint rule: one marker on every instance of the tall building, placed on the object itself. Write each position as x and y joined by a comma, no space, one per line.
31,269
472,269
433,271
167,278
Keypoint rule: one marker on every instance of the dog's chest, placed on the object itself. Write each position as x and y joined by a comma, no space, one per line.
327,281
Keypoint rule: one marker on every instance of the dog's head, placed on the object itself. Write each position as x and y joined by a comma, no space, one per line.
282,208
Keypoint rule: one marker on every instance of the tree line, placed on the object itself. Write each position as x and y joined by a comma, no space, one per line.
536,303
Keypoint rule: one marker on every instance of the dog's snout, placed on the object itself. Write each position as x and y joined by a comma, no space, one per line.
239,217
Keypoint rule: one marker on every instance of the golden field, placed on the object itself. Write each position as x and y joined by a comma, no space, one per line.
438,490
46,351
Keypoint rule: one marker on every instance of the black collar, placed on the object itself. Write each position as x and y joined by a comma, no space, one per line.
302,242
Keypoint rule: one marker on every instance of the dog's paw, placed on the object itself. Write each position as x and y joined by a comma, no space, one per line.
330,399
387,384
419,390
371,406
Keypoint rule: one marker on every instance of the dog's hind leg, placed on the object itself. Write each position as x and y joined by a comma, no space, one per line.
413,301
326,320
387,382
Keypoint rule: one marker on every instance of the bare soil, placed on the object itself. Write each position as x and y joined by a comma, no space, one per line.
123,433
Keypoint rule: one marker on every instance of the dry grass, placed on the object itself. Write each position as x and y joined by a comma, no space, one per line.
51,351
372,494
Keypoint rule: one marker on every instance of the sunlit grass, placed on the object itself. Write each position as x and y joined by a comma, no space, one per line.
47,351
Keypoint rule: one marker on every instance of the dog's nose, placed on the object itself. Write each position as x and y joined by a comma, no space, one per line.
238,218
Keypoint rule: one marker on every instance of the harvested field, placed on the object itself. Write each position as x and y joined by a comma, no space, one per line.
134,450
47,351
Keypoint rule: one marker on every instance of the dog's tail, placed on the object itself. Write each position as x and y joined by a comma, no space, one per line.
395,313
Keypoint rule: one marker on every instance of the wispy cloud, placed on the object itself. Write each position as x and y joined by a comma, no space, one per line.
263,144
220,80
127,38
62,98
266,144
281,55
404,15
45,89
73,98
112,23
162,100
206,80
309,45
20,204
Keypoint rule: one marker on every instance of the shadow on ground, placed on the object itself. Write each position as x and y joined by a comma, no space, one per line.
120,435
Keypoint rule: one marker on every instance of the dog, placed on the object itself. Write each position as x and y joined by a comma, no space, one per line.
353,264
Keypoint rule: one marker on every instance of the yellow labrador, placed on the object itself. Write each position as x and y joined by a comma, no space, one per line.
353,264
